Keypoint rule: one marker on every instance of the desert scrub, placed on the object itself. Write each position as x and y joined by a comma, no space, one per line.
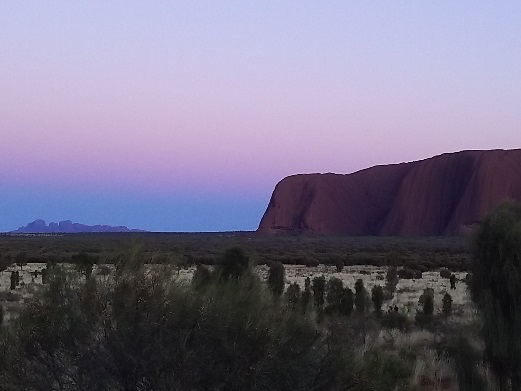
146,330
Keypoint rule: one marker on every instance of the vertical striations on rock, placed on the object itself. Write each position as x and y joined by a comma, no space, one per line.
443,195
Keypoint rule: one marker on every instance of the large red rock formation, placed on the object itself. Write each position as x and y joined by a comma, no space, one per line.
443,195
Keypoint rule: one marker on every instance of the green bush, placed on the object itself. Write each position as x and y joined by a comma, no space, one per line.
234,263
145,331
395,320
202,277
276,276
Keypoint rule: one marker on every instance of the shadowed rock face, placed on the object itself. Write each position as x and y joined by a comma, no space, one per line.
443,195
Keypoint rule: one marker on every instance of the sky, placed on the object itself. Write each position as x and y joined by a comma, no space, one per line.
183,115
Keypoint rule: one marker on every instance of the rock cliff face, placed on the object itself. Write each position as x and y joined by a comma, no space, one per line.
443,195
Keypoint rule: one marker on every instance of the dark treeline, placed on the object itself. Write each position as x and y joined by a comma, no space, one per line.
413,254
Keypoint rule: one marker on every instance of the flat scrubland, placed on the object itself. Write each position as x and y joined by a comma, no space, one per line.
367,259
191,248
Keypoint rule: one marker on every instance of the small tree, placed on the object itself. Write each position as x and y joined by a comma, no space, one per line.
452,281
14,280
202,277
445,273
276,275
447,305
306,295
360,296
346,304
45,274
424,313
234,263
334,293
292,295
427,302
84,262
339,266
391,280
377,297
495,288
319,287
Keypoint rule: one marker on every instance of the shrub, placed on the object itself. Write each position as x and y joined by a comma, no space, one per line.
453,280
339,266
312,263
495,288
292,295
387,372
334,293
426,302
276,275
306,295
377,297
319,286
15,279
84,262
144,331
395,320
406,274
202,277
346,304
445,273
447,305
466,362
234,263
360,296
391,280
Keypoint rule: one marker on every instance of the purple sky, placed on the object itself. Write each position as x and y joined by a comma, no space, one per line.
182,116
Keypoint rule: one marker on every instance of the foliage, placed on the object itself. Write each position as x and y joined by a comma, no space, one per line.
447,305
395,320
445,273
466,362
387,372
334,295
360,296
347,301
202,277
377,297
391,280
292,295
147,331
424,315
306,295
339,266
234,263
84,262
276,276
409,274
15,280
496,289
319,287
453,281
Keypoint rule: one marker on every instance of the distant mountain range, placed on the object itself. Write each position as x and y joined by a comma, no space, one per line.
444,195
39,227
